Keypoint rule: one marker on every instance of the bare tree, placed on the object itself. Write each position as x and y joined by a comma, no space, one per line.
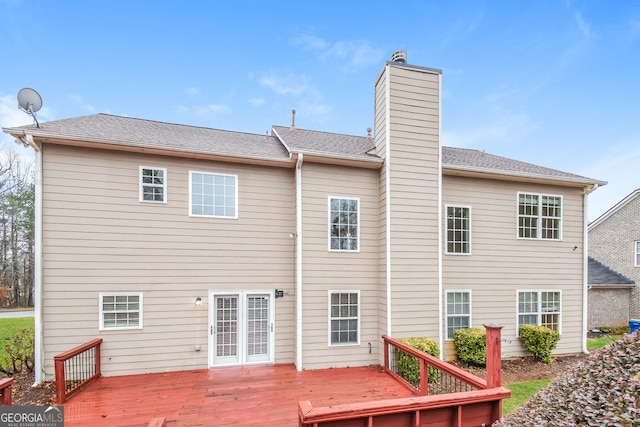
17,234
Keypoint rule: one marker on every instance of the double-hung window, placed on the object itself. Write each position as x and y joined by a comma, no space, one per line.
540,308
153,184
344,317
344,224
637,255
121,310
539,216
458,311
458,230
213,195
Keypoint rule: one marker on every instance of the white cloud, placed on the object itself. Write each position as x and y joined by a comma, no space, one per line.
192,92
79,100
211,109
289,84
257,102
502,127
11,116
634,28
352,54
617,164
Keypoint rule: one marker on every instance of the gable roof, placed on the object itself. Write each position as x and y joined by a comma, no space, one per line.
615,208
117,132
600,274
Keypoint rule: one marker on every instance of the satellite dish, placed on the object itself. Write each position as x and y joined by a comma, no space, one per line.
30,102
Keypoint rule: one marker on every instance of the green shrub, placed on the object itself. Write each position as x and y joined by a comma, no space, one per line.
471,346
17,352
603,390
409,366
540,341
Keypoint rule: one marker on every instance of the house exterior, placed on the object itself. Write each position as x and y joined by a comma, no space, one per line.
186,247
609,296
614,240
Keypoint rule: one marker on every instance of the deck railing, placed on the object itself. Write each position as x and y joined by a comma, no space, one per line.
435,376
76,368
449,396
5,391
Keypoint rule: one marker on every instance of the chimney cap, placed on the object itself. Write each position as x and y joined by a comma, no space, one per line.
399,56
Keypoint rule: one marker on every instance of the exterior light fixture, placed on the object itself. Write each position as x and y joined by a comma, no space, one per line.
198,301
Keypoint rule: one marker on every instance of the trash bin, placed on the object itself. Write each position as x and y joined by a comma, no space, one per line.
634,325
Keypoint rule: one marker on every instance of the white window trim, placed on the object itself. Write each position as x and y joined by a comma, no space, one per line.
164,186
446,309
539,230
329,317
101,313
636,253
191,172
446,230
357,199
539,291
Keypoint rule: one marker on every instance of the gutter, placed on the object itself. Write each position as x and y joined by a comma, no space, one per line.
387,183
440,231
585,264
298,243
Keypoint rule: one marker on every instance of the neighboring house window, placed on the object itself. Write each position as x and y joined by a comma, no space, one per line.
344,224
213,194
539,216
121,310
637,253
458,311
344,317
153,184
458,230
541,308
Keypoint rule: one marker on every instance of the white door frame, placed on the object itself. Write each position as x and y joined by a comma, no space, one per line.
242,325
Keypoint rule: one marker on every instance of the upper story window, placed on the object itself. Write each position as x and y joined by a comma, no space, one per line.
344,317
121,310
539,216
458,311
344,221
153,184
458,230
541,308
213,194
637,257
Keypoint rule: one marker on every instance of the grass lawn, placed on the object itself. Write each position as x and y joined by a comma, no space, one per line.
598,343
520,393
10,327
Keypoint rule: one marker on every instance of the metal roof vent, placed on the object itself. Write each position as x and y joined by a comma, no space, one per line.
399,56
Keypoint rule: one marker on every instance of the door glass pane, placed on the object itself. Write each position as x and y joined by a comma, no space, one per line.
227,326
257,325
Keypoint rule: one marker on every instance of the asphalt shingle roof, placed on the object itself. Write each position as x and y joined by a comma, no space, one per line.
601,274
127,131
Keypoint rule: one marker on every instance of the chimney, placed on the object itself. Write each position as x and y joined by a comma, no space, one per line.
399,56
293,119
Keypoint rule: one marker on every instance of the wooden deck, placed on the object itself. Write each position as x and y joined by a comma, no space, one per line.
238,396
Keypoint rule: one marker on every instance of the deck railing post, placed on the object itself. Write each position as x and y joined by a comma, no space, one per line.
494,355
386,355
98,373
5,391
60,382
424,377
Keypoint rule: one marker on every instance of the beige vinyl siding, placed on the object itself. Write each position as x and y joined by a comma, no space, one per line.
325,270
414,176
500,264
98,237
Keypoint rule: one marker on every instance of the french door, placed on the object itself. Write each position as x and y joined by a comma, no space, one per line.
240,327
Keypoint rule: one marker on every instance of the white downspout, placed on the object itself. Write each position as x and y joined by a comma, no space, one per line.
38,347
298,243
387,165
440,285
585,266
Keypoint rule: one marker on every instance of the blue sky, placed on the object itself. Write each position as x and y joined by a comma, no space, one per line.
555,83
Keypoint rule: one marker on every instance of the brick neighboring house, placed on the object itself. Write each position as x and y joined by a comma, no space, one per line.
609,296
186,247
614,240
